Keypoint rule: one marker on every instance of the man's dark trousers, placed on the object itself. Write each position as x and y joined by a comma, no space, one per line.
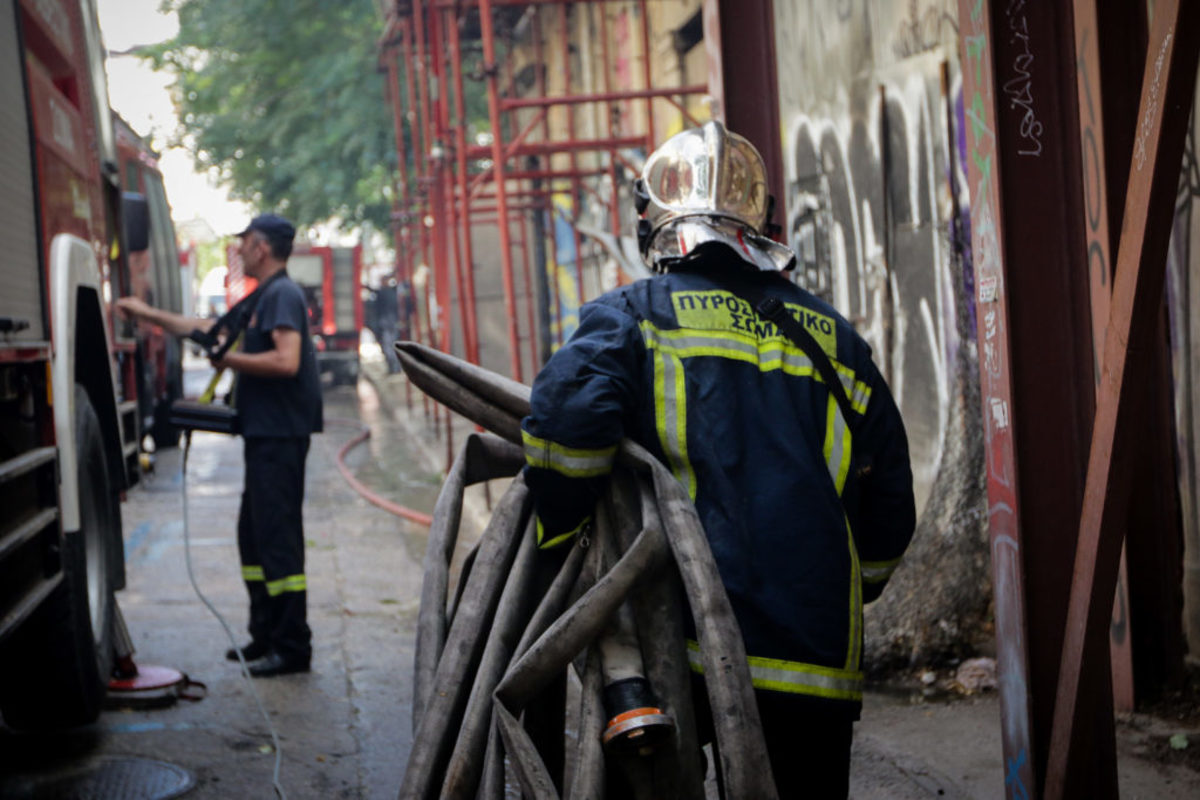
271,544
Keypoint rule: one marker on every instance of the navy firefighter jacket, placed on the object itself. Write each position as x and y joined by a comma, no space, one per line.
806,520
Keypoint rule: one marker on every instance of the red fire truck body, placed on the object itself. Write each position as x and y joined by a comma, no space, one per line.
68,407
154,276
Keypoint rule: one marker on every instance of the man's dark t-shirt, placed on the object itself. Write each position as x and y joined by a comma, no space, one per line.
279,407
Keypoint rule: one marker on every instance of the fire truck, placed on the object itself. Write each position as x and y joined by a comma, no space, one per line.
331,278
68,383
154,276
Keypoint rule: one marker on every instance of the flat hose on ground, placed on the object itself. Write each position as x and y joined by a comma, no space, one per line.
491,661
358,486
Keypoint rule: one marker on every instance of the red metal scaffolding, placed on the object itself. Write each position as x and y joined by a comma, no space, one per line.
424,42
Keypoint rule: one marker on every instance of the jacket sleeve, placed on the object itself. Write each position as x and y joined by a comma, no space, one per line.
579,407
886,508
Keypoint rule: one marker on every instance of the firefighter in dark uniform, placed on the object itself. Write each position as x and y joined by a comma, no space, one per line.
807,513
278,398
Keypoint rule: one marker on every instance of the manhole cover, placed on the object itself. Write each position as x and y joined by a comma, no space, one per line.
103,778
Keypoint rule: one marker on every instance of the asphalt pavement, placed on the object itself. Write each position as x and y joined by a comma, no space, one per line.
345,728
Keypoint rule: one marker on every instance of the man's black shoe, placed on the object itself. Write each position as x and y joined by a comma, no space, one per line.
273,664
250,652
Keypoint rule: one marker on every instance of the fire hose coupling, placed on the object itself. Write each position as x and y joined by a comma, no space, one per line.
636,725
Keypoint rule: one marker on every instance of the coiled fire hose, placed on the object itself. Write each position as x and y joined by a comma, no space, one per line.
492,661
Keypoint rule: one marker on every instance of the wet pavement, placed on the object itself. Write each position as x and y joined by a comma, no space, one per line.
345,728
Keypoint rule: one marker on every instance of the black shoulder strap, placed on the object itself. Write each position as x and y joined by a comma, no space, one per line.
233,322
773,309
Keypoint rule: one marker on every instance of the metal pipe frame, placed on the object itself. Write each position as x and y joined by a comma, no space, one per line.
489,174
472,333
599,97
568,146
424,37
565,36
495,210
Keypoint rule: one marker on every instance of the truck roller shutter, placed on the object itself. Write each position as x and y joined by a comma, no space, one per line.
344,289
21,274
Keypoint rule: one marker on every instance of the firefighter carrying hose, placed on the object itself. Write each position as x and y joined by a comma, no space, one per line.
767,407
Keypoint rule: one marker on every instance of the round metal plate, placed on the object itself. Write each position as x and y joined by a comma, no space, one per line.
103,778
149,678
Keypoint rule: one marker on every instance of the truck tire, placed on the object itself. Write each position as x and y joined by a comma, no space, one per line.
55,670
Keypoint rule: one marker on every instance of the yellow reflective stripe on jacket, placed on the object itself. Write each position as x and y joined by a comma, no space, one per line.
860,394
878,571
573,462
669,348
562,537
252,574
768,355
854,646
670,416
837,444
794,677
292,583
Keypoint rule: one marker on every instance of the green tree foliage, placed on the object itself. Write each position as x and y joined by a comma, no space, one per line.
283,97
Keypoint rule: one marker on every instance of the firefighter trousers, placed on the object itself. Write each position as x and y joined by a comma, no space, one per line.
271,544
808,743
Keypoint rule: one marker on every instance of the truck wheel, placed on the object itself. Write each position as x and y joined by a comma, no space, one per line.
55,669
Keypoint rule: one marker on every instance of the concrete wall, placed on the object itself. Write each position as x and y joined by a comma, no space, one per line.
877,207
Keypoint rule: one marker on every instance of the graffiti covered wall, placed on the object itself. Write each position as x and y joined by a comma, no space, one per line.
1183,298
877,209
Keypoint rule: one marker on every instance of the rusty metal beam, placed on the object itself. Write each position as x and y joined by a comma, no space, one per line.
1167,86
1036,375
1101,245
1004,519
741,35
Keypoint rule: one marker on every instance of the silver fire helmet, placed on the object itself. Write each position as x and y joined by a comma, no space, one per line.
706,184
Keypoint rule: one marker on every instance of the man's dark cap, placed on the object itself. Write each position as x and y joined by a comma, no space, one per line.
273,227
